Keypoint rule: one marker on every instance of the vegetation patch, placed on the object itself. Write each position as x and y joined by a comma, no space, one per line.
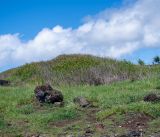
79,69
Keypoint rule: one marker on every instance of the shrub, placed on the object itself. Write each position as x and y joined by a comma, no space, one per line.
141,62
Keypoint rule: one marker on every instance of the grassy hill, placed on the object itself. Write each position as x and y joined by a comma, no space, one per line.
118,106
77,69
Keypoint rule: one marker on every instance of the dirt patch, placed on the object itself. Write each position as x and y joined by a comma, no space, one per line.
100,127
23,122
136,121
91,115
17,123
63,123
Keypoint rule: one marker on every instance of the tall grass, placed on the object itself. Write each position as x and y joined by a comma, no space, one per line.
79,70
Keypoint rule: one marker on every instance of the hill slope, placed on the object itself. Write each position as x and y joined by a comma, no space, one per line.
117,108
76,69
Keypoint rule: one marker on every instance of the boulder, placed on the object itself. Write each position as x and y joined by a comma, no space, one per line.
4,83
152,97
81,101
46,94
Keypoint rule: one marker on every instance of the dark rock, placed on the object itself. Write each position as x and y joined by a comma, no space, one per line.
132,134
81,101
4,83
152,97
46,94
88,133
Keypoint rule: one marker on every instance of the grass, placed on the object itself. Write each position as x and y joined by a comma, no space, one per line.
21,114
77,70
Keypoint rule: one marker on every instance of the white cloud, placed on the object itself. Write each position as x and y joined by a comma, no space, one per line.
111,33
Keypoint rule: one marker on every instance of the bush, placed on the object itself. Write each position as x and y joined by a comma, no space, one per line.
141,62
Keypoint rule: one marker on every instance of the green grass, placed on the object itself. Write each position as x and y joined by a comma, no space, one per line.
75,76
77,70
20,113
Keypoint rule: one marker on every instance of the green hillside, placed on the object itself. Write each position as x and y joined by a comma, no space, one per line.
118,106
78,69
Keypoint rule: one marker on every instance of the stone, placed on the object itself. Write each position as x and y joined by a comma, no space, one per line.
89,132
59,104
152,97
132,134
46,94
81,101
4,82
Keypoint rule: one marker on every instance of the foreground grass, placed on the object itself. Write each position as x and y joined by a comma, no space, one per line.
21,114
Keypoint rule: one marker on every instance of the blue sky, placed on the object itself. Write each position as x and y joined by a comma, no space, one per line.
28,17
36,30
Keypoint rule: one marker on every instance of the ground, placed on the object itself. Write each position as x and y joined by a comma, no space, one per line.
117,109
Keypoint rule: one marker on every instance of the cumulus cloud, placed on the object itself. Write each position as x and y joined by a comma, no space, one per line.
112,33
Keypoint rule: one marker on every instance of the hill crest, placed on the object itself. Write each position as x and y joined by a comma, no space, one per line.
76,69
